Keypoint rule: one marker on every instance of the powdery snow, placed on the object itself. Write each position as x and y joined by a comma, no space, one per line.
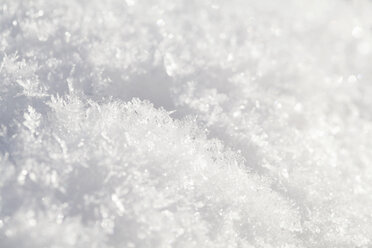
174,123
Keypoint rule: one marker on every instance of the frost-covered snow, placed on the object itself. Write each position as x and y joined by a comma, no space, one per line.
185,123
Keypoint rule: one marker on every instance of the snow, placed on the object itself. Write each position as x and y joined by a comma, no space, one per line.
177,123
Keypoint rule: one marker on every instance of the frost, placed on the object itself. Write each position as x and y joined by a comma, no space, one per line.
185,123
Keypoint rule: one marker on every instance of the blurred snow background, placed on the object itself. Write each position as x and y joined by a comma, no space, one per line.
185,123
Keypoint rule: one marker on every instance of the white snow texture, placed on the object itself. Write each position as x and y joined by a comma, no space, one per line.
185,123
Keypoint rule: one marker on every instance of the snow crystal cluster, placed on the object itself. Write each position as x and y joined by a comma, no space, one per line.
185,123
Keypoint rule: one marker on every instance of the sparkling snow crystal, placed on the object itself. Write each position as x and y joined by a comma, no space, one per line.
185,123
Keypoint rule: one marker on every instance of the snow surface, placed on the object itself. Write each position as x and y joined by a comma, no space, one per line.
185,123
